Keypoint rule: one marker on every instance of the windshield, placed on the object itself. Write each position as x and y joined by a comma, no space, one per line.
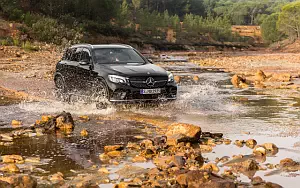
117,56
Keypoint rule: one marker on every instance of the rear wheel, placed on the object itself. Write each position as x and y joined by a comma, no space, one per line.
61,89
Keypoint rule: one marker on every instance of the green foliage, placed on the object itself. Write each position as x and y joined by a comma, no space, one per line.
270,32
16,41
289,20
49,30
218,28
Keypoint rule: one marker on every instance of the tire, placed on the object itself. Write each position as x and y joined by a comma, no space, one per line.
61,89
100,94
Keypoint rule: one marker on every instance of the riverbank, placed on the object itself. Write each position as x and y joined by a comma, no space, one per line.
228,118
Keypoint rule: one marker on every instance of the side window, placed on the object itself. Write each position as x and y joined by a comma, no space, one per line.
67,54
75,54
85,54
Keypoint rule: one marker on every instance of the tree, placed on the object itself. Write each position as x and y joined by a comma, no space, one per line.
289,20
270,32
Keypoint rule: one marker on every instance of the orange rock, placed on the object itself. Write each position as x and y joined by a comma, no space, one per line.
84,132
16,123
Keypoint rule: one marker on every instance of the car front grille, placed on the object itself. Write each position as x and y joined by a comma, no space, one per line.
140,82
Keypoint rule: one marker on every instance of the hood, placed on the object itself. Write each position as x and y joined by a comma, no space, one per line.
135,70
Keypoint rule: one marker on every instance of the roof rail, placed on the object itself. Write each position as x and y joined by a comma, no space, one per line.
83,44
126,45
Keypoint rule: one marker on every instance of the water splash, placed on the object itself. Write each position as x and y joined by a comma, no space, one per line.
78,108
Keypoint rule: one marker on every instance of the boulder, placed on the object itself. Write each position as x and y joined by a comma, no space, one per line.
237,81
202,179
251,143
16,123
180,132
84,133
271,148
63,122
12,159
11,168
113,148
115,154
19,181
211,167
260,76
147,143
288,162
259,150
281,77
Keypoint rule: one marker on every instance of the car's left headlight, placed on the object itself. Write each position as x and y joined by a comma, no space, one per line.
118,79
170,77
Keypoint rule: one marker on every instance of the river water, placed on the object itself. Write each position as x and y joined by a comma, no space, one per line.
211,103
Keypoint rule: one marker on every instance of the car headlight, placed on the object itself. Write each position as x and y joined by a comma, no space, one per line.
117,79
170,77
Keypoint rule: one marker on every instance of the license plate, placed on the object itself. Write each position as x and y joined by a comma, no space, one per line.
150,91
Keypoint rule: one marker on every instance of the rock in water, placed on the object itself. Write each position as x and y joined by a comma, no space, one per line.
237,80
187,130
260,76
201,179
63,122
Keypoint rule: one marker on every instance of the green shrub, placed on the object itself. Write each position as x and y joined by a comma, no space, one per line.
30,19
16,42
28,46
16,15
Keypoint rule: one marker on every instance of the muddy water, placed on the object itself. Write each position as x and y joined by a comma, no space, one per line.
211,103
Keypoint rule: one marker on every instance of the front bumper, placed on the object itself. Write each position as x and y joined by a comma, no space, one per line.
127,93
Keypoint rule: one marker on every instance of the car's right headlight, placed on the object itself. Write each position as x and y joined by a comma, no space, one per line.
170,77
118,79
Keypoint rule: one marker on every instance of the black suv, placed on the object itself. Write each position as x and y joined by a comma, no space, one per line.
112,73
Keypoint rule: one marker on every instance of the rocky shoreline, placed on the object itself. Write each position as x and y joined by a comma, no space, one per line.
175,153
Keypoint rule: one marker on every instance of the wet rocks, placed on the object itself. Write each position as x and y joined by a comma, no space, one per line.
188,130
271,148
19,181
211,167
251,143
16,123
239,143
12,159
104,158
248,165
11,168
33,160
260,76
115,154
84,133
113,148
130,171
206,148
57,178
281,77
259,150
84,118
203,179
63,122
239,81
180,132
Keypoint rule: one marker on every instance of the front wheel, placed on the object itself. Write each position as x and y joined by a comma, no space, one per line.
100,94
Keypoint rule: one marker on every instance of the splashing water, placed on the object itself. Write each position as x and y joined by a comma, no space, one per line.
78,108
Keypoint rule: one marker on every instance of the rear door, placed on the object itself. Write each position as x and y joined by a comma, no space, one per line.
84,71
72,65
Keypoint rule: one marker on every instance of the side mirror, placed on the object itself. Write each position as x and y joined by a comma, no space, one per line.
150,61
85,61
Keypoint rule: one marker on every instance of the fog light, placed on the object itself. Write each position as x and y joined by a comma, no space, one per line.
123,95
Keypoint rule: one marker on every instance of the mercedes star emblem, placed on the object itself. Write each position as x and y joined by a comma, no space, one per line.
150,81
